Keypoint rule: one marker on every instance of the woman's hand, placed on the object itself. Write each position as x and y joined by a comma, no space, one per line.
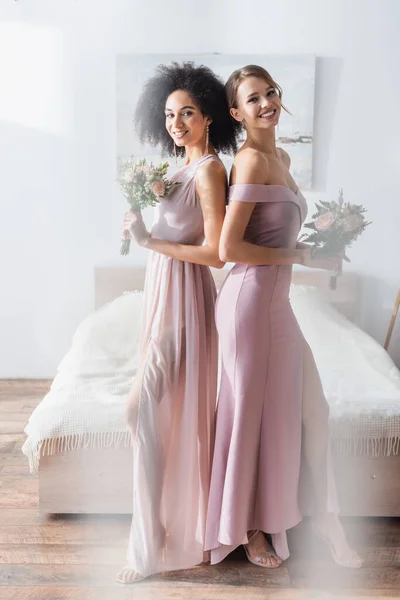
134,227
331,263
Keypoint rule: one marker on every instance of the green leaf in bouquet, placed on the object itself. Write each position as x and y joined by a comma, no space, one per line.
313,238
325,204
163,167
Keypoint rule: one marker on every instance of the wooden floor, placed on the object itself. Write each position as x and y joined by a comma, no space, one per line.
65,558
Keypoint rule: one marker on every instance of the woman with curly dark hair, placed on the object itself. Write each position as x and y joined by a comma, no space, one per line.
183,110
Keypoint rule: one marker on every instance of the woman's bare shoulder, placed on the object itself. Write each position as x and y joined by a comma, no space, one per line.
284,156
250,166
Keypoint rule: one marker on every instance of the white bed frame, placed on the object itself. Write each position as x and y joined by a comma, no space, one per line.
100,480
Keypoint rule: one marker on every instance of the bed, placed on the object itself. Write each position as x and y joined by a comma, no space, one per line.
78,441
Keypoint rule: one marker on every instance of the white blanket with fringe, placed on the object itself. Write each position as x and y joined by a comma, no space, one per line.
85,405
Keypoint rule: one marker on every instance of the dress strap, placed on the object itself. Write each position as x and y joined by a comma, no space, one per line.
206,158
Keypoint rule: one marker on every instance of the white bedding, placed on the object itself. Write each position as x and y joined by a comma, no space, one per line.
85,405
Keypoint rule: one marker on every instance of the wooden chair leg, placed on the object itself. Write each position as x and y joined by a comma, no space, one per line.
392,320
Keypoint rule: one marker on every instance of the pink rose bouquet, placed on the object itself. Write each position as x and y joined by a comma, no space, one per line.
143,185
335,226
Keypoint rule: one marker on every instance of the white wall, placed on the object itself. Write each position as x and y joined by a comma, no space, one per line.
59,216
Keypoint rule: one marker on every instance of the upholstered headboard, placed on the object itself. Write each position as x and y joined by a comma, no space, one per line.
111,282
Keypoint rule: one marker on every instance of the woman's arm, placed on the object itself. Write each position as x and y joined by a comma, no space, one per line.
250,167
211,188
234,249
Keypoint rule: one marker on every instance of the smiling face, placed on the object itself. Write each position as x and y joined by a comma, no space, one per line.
258,104
184,120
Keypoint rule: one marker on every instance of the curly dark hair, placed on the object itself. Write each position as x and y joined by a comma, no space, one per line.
207,91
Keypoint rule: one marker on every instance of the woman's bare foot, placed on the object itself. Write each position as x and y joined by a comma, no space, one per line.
259,552
129,575
329,528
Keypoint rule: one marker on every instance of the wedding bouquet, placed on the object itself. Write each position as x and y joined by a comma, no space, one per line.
143,185
335,226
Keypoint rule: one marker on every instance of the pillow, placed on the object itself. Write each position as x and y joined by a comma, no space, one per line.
106,340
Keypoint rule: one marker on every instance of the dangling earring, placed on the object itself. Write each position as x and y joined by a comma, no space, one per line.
207,139
175,153
243,127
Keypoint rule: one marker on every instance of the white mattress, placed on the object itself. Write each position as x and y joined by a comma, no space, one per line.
85,405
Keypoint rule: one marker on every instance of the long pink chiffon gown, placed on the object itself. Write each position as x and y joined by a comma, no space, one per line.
177,377
257,455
